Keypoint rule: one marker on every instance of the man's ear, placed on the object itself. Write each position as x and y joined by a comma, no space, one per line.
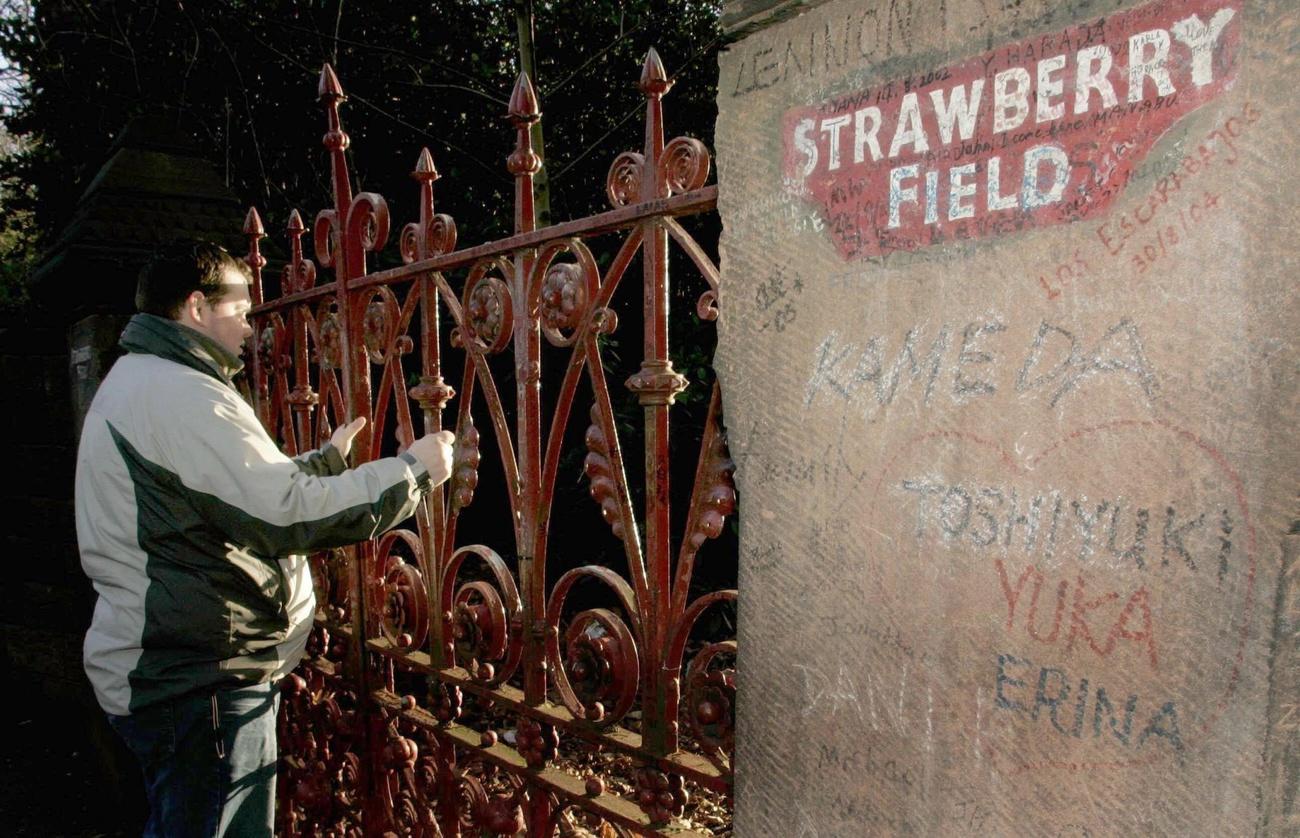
192,308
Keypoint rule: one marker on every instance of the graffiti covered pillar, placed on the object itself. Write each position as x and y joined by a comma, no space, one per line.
1010,372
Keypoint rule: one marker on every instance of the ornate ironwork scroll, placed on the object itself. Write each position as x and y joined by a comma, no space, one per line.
449,688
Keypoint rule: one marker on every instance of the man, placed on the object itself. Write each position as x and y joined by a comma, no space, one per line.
192,526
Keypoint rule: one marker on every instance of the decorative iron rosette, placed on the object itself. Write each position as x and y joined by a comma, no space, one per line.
403,597
601,664
564,299
379,327
597,667
482,813
482,618
473,797
409,816
329,572
273,344
710,690
566,290
489,307
623,183
684,165
329,337
710,698
347,782
428,769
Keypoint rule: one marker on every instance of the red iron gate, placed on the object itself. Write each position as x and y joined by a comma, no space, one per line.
447,691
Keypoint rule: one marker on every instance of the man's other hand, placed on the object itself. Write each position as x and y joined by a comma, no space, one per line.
343,435
434,450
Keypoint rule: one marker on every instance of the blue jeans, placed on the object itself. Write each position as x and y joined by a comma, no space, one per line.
209,762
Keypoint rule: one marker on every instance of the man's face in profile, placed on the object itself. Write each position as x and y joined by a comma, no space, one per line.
226,320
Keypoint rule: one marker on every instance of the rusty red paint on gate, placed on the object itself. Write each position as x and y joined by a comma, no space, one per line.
360,755
1034,133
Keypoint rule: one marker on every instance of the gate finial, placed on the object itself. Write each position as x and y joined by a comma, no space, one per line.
424,168
523,162
523,101
253,223
300,273
295,225
329,85
654,79
328,234
254,230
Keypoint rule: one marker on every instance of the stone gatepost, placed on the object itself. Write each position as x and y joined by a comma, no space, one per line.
1009,352
154,186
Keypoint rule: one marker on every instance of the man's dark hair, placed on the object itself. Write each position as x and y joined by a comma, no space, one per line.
178,270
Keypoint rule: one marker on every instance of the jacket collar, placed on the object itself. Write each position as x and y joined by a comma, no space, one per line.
152,335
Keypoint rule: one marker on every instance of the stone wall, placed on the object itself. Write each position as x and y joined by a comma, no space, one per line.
1009,368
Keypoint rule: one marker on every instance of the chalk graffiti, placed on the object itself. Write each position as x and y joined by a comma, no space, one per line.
1168,216
1126,550
1054,525
1132,622
1046,694
1057,363
866,35
1115,234
775,298
863,759
1064,274
865,697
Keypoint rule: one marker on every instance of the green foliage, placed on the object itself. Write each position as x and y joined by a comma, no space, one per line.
18,238
240,77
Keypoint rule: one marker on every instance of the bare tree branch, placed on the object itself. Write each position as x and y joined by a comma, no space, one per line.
423,132
248,109
338,23
571,76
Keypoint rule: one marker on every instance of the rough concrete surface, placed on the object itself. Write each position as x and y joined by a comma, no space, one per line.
1015,439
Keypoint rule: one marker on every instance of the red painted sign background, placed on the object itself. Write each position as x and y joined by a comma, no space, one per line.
1040,132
